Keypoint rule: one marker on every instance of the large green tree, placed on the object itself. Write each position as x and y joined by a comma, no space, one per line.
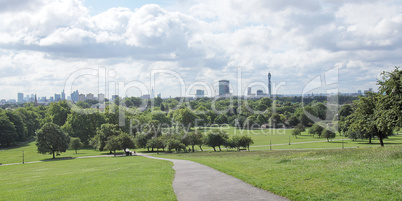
8,134
50,139
216,138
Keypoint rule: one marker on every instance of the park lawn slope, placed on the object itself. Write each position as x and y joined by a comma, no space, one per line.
14,154
352,174
106,178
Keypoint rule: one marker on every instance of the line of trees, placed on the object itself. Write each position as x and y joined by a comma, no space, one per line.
181,141
375,115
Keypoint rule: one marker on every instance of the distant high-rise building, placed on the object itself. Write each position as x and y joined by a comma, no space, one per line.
74,96
63,95
249,91
199,93
146,96
114,97
20,97
51,99
90,96
101,98
81,97
260,93
224,87
159,95
57,97
152,93
269,85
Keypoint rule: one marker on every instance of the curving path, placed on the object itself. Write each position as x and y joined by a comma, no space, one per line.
194,181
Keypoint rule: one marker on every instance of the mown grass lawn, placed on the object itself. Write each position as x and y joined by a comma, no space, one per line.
14,154
371,173
107,178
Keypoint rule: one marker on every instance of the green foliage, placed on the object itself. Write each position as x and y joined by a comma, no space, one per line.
216,138
103,134
186,117
75,143
296,132
316,129
195,138
59,111
327,134
21,131
8,133
50,139
82,105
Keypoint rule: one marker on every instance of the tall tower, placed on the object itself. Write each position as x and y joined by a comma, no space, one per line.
224,87
269,85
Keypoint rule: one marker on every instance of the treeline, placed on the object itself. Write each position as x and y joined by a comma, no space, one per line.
375,115
20,124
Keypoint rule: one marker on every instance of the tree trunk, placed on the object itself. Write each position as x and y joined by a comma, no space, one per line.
75,151
381,141
148,149
248,147
327,139
193,148
201,148
53,155
214,149
370,139
220,148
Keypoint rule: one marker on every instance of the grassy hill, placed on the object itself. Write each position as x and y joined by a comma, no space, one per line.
111,178
371,173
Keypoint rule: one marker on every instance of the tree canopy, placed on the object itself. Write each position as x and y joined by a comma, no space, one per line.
51,139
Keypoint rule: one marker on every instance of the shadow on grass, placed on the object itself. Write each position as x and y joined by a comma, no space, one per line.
21,145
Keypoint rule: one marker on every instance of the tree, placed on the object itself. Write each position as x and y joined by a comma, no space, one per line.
195,138
216,138
50,139
126,141
245,141
105,132
345,110
369,118
58,112
296,132
7,131
141,141
300,127
221,119
21,131
275,120
390,106
186,117
328,134
75,143
316,129
175,144
293,121
113,144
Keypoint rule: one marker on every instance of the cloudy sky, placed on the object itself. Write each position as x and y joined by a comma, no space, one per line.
178,46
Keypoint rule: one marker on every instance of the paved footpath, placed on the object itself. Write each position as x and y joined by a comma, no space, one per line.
194,181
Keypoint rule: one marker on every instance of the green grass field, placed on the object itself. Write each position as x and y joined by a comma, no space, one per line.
14,154
280,139
371,173
106,178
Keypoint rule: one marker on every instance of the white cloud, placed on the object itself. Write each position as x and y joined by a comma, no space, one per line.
43,41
